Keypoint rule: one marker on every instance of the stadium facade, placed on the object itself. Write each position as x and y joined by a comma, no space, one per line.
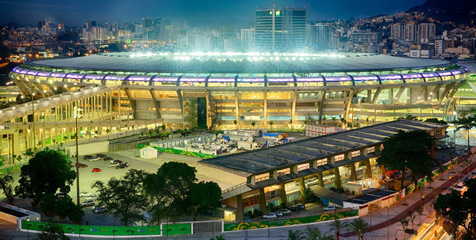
253,90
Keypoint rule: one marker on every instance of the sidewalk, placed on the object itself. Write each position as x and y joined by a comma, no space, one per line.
385,222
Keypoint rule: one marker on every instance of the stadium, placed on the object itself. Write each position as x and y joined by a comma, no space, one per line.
120,93
244,88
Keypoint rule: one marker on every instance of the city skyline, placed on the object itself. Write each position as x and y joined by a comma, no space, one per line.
192,12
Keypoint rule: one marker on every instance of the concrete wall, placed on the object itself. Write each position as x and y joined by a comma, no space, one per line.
88,148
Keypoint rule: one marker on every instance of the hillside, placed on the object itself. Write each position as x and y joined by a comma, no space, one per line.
456,11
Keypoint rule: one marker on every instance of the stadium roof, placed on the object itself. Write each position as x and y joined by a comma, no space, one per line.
193,64
282,156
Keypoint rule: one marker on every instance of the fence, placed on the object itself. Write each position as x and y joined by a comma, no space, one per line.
184,228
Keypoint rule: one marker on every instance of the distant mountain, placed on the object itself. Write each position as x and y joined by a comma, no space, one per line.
457,11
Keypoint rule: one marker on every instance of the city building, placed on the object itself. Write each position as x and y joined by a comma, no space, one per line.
410,32
248,39
426,31
280,29
397,31
319,37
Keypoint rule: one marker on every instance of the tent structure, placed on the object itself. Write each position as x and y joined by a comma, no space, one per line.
148,152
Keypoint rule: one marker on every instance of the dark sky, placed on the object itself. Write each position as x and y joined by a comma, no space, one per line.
194,12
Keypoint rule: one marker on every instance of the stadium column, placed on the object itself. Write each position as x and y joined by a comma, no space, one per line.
237,110
368,168
321,106
283,194
320,179
293,108
119,108
262,201
353,174
265,109
337,176
240,212
302,187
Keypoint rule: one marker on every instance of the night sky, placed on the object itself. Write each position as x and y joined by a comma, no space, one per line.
194,12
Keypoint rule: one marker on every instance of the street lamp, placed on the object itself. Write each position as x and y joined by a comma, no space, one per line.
76,115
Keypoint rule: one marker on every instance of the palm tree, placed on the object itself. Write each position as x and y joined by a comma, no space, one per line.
235,122
291,122
334,120
271,124
253,124
108,131
337,226
359,226
296,235
404,223
316,234
466,122
344,122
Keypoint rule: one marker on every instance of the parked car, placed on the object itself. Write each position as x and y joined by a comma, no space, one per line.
459,187
108,158
99,209
87,203
94,158
96,170
81,165
60,195
284,212
295,208
122,165
87,157
330,208
270,215
116,161
99,155
113,164
439,147
87,194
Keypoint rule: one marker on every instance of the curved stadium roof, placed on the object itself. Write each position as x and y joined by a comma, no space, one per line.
124,62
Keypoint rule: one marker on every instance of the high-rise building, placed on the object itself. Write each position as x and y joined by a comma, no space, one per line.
440,45
426,31
410,32
248,39
397,31
365,38
280,29
319,37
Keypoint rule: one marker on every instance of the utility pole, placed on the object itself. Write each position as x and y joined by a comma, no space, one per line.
76,115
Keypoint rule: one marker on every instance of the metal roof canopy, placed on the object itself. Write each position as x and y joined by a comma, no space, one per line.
300,152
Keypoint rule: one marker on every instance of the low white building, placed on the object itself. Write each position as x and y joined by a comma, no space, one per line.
148,152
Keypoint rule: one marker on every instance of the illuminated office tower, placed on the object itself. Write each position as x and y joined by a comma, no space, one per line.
280,29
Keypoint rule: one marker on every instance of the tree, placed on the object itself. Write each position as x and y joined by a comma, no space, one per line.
62,207
123,197
359,226
408,150
296,235
179,178
455,209
156,190
253,124
338,226
204,196
411,216
309,195
404,223
215,119
292,126
419,209
316,234
76,214
466,122
271,124
191,112
236,123
344,122
46,173
334,120
52,231
47,206
436,120
6,185
410,117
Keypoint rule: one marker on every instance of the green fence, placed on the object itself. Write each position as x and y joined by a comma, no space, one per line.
176,151
177,229
169,229
288,222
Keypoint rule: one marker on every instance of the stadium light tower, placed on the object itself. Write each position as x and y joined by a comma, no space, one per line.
76,115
